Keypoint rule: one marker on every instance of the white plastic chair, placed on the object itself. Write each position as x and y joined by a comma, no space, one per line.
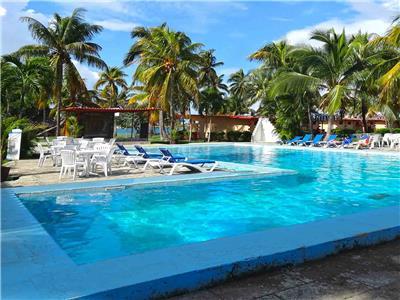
98,140
111,142
386,139
376,139
43,155
103,160
69,163
395,140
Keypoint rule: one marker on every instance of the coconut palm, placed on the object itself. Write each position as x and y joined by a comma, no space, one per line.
239,90
207,74
387,70
168,64
27,77
331,69
274,56
111,80
64,39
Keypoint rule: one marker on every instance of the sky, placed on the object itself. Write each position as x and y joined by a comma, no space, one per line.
235,29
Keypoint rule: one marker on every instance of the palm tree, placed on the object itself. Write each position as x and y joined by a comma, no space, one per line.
28,77
274,55
111,80
207,74
64,39
239,90
331,69
168,64
387,70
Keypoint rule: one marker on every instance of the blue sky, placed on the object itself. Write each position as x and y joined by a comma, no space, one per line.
233,29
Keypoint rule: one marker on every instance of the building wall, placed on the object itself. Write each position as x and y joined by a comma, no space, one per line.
200,124
355,124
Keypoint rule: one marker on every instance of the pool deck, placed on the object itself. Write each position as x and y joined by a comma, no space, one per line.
361,274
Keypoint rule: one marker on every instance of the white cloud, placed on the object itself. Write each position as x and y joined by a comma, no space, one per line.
116,25
3,11
366,20
16,33
302,36
87,74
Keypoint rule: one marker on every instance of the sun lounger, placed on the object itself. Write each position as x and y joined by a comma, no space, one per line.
123,150
315,141
304,140
146,154
330,142
293,140
177,162
347,142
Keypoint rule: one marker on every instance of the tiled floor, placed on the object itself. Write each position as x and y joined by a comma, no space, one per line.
371,273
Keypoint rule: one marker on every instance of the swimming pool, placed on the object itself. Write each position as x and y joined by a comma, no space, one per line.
97,225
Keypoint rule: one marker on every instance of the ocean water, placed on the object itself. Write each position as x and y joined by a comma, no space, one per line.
97,225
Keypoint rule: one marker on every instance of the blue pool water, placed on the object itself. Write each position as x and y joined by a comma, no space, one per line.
97,225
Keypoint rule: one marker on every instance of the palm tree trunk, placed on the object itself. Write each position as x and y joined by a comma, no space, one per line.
330,125
149,128
310,127
59,75
44,114
161,124
21,104
190,125
363,115
209,131
8,103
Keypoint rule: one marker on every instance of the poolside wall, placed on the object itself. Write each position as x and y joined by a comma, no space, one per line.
190,281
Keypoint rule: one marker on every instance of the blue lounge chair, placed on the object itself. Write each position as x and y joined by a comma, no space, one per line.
347,142
305,139
293,140
330,142
123,150
177,161
146,154
316,140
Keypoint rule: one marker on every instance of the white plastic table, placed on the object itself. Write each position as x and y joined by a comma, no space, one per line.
87,155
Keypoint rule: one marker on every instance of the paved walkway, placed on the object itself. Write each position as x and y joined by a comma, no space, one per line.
370,273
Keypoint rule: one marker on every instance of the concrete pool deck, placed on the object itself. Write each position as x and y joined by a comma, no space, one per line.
361,274
35,267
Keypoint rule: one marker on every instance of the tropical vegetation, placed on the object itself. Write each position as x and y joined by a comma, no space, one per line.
294,86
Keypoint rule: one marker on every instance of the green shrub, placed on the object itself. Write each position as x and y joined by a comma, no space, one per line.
28,138
382,130
245,136
217,136
396,130
73,127
233,136
343,132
